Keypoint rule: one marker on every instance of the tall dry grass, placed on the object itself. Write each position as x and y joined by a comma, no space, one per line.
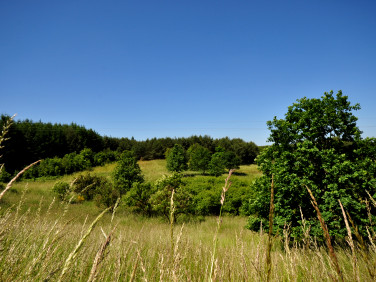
36,245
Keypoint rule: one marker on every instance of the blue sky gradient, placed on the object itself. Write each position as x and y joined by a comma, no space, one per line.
180,68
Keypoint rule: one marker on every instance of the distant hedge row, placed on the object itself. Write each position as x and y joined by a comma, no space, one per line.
71,163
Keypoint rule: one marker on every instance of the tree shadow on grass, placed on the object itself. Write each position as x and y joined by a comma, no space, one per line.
239,173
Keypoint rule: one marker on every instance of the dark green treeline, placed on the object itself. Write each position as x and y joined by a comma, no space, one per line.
29,141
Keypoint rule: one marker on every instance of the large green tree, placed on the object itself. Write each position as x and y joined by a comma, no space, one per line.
127,172
176,158
317,145
217,163
199,158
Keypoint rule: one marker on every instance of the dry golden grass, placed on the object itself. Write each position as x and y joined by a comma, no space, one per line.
39,238
36,246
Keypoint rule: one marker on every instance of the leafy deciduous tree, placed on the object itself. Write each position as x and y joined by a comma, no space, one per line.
127,172
199,158
217,163
161,199
138,198
176,159
317,145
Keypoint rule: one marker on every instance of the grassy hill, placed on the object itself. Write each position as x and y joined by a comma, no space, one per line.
44,239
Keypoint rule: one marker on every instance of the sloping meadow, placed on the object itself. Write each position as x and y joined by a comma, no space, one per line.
59,241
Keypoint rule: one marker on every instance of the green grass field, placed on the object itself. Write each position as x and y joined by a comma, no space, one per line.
42,239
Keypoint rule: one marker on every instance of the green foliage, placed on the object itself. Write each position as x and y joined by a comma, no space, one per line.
176,159
105,194
61,189
161,199
87,184
217,163
70,163
245,151
104,157
207,202
317,145
5,176
88,155
138,198
199,158
232,161
97,188
31,141
206,194
126,173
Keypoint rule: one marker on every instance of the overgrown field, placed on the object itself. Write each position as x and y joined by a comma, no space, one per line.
44,239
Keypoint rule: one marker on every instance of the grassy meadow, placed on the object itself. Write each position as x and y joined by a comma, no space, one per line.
43,239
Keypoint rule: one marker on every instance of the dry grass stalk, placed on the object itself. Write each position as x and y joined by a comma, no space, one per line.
100,256
306,230
161,267
73,254
372,199
135,268
240,245
143,268
215,240
20,204
371,239
269,245
5,130
364,251
177,257
332,254
115,207
172,211
9,185
351,244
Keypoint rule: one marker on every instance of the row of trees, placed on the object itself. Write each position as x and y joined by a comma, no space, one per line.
199,158
30,141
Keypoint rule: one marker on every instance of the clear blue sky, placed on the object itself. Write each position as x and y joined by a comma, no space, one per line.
180,68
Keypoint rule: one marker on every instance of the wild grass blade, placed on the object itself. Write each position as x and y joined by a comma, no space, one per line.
332,254
9,185
73,254
269,246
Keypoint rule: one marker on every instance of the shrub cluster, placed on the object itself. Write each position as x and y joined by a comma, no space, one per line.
70,163
87,187
197,196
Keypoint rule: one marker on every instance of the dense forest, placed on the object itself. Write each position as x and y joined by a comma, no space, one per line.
30,141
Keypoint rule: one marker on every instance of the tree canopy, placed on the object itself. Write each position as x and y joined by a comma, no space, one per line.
127,172
317,145
176,159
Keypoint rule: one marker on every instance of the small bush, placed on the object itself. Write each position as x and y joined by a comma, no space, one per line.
61,189
97,188
138,198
